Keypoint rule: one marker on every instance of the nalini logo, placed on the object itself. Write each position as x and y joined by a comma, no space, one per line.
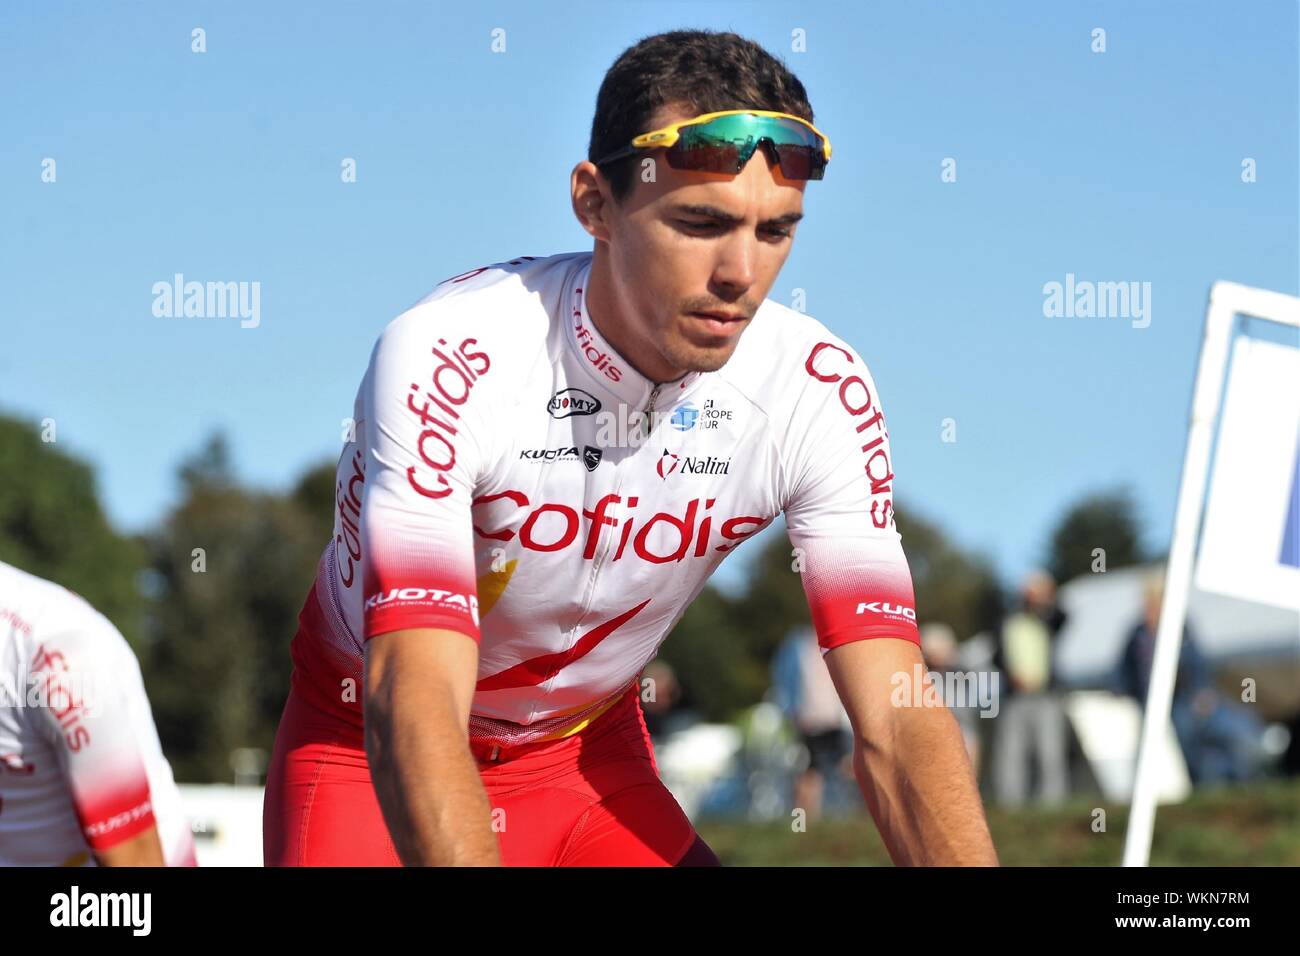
685,417
667,464
887,609
691,465
572,401
591,457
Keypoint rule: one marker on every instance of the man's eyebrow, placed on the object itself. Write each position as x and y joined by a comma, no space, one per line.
721,215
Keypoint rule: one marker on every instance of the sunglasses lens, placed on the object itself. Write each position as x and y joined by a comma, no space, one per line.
704,153
801,162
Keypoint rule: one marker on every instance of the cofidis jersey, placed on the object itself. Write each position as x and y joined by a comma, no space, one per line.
513,478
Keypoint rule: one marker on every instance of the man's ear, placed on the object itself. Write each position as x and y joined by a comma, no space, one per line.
591,200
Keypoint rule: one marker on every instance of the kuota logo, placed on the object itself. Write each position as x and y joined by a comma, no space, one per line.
887,609
461,602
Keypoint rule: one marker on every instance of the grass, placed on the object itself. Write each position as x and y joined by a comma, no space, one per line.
1256,825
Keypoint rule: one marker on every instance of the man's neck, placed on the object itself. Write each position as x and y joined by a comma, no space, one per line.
610,322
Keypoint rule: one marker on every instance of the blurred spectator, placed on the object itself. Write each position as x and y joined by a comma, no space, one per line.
1031,722
1220,741
806,695
939,648
661,701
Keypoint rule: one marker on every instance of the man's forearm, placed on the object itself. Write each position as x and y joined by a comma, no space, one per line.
920,788
428,785
143,849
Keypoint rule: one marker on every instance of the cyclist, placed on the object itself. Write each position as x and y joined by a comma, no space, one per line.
83,779
551,456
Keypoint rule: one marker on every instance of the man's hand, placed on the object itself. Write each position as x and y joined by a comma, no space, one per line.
910,761
419,687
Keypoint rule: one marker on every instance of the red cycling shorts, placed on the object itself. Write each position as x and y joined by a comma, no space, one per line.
591,799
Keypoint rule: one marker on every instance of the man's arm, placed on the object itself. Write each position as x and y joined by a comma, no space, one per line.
910,761
92,717
419,687
143,849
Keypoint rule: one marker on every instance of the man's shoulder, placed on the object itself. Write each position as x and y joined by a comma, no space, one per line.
787,358
40,610
511,303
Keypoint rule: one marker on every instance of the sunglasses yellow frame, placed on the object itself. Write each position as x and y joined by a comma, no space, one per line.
670,134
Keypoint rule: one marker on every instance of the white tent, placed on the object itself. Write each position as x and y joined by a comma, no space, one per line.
1103,608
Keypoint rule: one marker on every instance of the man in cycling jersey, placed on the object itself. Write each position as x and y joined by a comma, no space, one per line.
83,779
551,456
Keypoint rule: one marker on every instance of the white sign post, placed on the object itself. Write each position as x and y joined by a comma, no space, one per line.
1227,299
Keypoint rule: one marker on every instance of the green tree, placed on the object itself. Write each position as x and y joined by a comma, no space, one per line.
314,496
951,585
52,525
231,571
1106,520
714,659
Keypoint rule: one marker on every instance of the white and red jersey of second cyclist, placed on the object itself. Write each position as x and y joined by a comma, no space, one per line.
513,478
81,768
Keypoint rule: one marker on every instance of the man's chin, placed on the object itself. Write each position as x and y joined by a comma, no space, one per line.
698,352
697,358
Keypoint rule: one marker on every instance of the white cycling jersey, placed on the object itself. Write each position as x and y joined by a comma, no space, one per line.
514,478
81,768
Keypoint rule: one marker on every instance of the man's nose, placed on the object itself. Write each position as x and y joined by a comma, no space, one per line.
735,270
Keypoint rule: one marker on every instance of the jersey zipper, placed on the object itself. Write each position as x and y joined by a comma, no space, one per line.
607,543
648,415
599,558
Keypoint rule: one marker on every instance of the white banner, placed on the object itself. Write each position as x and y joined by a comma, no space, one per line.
1250,541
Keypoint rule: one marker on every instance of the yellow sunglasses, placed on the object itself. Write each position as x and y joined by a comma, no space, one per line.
723,142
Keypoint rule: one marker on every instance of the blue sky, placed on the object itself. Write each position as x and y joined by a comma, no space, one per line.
1117,166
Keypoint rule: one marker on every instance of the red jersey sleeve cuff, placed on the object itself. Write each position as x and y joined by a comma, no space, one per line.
107,832
867,632
399,620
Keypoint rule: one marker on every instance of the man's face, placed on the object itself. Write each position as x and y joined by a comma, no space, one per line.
693,242
1040,591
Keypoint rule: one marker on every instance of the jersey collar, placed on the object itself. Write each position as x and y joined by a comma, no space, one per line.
604,364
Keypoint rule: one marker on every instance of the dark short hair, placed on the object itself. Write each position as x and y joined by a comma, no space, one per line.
705,70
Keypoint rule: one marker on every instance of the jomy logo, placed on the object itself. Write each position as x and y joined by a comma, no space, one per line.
103,909
572,401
